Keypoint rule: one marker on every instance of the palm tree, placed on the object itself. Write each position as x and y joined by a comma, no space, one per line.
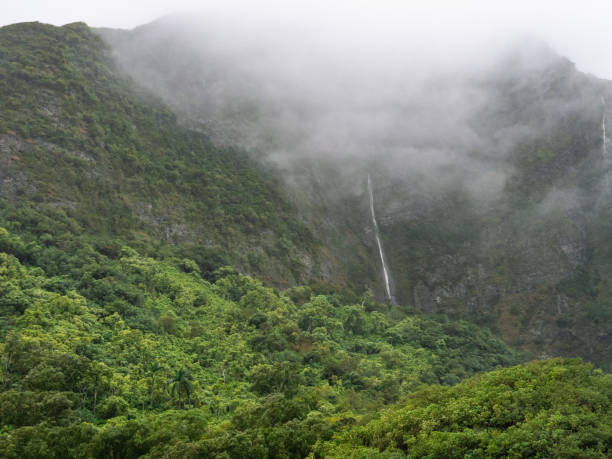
179,383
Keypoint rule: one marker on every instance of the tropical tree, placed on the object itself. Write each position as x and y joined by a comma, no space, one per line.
180,383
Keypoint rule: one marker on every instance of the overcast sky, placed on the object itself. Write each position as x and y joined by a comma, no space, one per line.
580,30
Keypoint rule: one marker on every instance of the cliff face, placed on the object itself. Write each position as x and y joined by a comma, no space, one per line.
531,259
489,185
80,138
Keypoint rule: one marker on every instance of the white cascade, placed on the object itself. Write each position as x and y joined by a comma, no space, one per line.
604,143
379,243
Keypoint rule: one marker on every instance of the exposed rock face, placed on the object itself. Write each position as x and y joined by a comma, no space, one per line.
528,269
488,188
424,298
12,181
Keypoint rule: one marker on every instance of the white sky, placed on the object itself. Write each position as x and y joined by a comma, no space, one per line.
580,30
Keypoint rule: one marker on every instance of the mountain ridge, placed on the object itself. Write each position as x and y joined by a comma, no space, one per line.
98,135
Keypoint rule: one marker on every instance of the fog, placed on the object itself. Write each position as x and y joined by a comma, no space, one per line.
440,99
351,79
438,93
577,29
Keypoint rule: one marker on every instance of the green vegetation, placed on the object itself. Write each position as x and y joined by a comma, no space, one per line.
555,408
131,356
128,355
77,136
124,332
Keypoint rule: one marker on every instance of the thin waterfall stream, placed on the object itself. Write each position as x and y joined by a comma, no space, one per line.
379,243
604,142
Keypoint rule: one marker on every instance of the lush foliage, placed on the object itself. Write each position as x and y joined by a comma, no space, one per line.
555,408
124,334
77,136
130,355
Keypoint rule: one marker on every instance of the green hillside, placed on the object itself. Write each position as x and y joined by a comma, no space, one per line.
76,138
556,408
125,356
120,333
160,296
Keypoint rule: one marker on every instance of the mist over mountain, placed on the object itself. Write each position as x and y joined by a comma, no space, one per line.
486,157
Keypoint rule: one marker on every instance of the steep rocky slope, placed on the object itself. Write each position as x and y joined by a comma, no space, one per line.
532,258
490,184
80,139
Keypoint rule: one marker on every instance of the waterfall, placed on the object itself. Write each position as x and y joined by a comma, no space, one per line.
603,143
379,243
